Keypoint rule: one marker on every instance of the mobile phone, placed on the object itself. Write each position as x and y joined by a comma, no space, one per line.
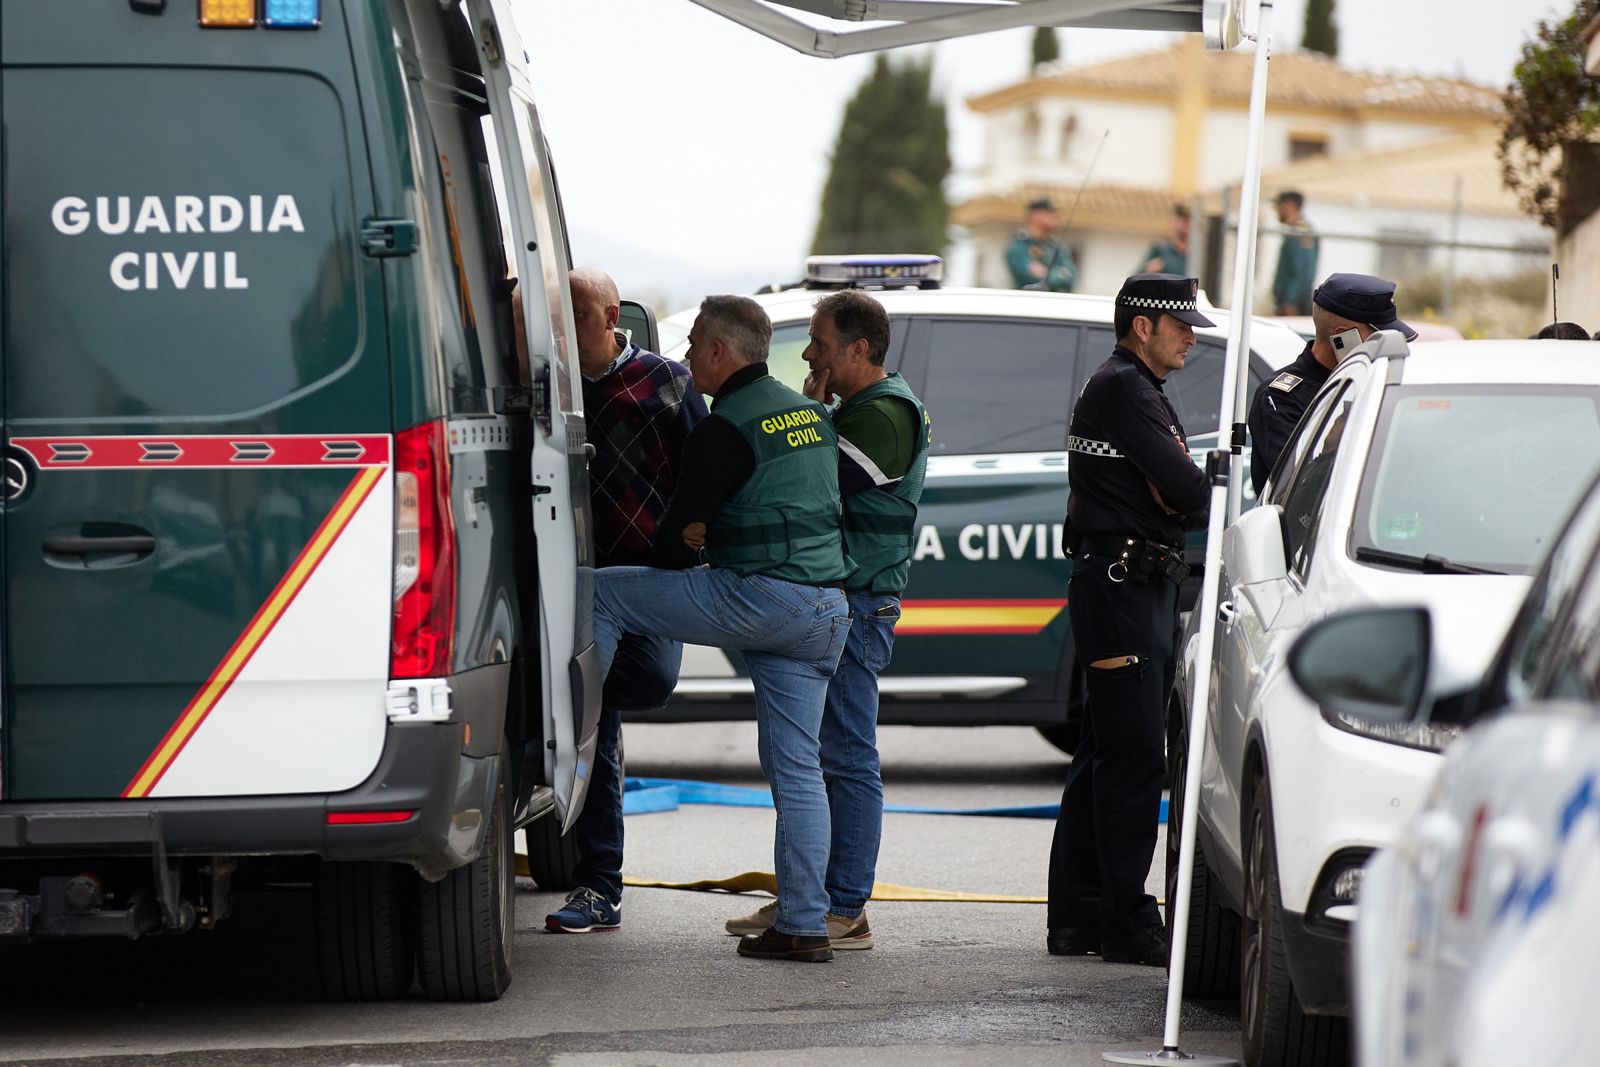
1344,343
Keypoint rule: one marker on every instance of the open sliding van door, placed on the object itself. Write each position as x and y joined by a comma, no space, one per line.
570,664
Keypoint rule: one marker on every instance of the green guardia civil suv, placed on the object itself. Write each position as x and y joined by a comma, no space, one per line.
983,638
292,546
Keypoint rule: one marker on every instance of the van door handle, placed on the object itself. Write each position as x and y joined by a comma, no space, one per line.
78,545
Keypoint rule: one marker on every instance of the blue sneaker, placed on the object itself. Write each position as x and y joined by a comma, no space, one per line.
586,912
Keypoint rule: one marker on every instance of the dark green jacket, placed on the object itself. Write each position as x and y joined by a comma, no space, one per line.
1061,272
880,524
784,522
1297,270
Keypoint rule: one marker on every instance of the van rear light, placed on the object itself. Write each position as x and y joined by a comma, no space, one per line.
227,13
424,554
367,818
292,14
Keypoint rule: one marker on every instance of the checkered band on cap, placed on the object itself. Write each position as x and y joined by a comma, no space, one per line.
1159,305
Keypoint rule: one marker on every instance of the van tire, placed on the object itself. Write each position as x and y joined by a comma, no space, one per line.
465,919
366,930
552,855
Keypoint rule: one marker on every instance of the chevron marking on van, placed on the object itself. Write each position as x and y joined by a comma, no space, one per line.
205,452
977,616
255,632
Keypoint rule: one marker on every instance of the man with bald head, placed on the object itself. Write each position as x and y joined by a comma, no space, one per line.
640,409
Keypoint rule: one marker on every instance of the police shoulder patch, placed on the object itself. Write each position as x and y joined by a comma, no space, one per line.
1286,382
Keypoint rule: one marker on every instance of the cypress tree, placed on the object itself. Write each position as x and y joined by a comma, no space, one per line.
1046,46
885,188
1322,29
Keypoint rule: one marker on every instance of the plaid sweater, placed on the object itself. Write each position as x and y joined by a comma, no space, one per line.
639,415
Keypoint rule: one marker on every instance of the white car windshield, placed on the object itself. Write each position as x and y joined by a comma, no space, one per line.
1475,476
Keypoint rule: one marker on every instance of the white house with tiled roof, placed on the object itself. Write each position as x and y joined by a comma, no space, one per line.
1170,126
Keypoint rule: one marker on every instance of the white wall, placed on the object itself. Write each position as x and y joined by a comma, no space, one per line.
1579,256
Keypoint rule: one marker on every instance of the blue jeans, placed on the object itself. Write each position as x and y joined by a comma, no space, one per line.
792,636
850,752
643,674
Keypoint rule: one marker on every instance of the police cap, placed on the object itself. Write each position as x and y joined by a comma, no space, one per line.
1169,294
1362,298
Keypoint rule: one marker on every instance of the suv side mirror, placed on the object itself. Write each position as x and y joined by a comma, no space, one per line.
1366,668
639,323
1252,548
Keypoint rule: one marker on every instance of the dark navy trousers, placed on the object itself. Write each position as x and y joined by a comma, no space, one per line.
1106,832
643,675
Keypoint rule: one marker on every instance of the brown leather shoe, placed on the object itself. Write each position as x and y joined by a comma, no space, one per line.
772,945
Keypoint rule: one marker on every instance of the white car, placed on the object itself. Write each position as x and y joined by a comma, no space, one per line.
984,636
1432,476
1478,931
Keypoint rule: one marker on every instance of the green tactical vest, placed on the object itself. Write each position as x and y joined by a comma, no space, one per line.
880,524
785,521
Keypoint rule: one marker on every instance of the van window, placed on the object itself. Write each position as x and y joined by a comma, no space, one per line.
1196,390
225,286
1000,386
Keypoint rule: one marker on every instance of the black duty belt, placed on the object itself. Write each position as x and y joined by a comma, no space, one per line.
1134,559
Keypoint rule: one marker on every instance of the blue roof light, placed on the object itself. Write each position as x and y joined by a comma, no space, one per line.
292,14
874,271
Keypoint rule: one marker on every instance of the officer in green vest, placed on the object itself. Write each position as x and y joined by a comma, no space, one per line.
1297,257
1035,257
883,456
757,502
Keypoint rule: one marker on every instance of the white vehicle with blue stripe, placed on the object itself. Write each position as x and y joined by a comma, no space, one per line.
1479,931
1435,476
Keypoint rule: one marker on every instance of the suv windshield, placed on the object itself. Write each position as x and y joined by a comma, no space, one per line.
1477,476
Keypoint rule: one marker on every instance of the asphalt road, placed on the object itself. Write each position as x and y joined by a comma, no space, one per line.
947,983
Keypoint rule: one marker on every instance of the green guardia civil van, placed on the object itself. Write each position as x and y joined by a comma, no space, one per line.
293,545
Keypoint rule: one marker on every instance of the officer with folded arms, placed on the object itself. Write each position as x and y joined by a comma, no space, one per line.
1134,491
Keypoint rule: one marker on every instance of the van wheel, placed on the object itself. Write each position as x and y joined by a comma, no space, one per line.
366,929
1211,956
465,919
552,855
1276,1029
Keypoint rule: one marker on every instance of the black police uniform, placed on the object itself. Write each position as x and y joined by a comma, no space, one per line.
1279,402
1122,599
1277,407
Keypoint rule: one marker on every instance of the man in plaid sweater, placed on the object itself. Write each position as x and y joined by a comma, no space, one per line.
640,408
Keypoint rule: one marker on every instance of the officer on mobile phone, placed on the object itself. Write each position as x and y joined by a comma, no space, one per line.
1345,310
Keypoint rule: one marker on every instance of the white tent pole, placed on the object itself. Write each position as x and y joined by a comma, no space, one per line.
1244,271
1238,360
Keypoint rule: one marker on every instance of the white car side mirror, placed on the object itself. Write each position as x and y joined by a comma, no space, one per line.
1252,548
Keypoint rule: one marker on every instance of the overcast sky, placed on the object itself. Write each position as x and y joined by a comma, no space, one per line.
692,152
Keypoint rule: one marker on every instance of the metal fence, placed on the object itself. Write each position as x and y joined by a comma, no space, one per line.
1485,273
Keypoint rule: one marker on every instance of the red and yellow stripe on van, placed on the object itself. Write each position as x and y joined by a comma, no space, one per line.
1025,616
256,632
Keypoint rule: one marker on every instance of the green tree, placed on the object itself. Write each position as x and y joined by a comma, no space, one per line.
885,188
1552,106
1322,29
1046,46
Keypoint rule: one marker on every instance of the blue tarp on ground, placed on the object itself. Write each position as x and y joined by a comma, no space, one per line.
645,795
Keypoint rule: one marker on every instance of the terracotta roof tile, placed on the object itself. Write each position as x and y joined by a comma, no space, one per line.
1125,207
1297,79
1415,176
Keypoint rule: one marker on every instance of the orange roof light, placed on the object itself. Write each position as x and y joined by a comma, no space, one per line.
227,13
